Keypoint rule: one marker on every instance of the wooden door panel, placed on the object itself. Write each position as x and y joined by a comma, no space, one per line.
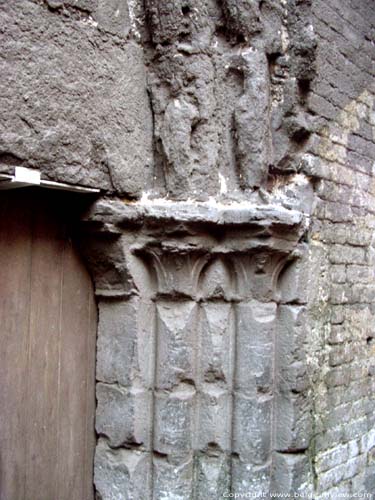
42,381
15,243
47,357
78,308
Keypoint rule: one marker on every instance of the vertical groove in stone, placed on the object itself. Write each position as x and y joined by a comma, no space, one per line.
197,413
176,359
214,383
275,396
254,373
233,384
154,362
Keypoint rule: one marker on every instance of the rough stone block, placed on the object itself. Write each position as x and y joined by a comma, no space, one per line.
249,478
356,428
342,472
255,336
173,478
293,422
368,441
331,458
360,274
342,254
338,376
83,5
338,334
176,334
121,474
340,355
107,262
337,315
363,294
125,337
292,327
253,137
214,413
174,420
341,413
329,438
252,428
113,16
291,474
338,273
68,66
341,294
212,476
294,278
217,343
124,415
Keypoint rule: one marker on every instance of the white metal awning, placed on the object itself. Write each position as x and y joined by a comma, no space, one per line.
27,177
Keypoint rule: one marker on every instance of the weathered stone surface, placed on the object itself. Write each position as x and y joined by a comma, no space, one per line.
216,283
217,339
125,342
113,16
243,17
292,474
294,278
256,238
252,147
252,437
82,109
124,415
214,413
247,477
213,87
174,420
255,345
273,218
212,479
107,262
121,474
292,403
173,479
176,325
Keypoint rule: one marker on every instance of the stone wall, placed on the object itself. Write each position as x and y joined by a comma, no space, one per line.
231,249
73,94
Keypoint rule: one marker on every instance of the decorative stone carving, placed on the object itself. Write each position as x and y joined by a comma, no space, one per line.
203,383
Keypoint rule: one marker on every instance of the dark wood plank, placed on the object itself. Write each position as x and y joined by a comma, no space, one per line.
77,382
42,380
15,245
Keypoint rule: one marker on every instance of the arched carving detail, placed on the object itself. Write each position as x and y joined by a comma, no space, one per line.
256,274
216,279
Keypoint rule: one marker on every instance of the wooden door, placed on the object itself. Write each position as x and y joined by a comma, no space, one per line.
47,354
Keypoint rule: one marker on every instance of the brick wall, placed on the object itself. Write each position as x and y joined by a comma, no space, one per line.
341,310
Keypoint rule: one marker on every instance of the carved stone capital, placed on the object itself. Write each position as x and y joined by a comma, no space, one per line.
243,247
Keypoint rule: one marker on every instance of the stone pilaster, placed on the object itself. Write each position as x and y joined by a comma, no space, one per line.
194,353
